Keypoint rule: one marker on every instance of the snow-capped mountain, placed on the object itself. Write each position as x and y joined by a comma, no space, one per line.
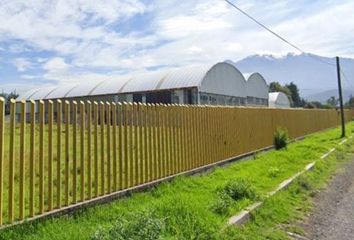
316,79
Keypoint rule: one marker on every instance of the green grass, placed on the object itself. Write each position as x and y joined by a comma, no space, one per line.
183,209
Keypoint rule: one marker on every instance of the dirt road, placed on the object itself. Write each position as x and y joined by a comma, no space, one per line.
333,214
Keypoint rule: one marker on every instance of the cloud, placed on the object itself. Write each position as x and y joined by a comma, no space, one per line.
70,40
22,64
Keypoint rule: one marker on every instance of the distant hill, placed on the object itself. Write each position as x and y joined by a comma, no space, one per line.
324,96
315,79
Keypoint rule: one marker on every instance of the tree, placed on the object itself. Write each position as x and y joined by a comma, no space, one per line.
7,97
350,102
295,96
332,102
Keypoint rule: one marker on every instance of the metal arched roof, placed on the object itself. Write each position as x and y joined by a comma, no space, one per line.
256,86
224,79
144,82
191,76
61,91
220,78
278,100
83,89
27,95
111,86
42,93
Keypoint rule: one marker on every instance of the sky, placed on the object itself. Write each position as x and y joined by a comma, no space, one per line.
45,43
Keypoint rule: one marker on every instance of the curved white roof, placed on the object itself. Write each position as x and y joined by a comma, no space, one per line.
191,76
220,78
278,100
83,89
27,95
257,86
224,79
144,82
42,93
60,91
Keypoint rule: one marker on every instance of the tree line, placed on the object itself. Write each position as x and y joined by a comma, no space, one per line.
7,97
292,92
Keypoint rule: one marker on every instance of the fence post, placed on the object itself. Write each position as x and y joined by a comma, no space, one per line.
149,139
153,150
11,160
102,120
2,128
59,155
125,140
41,156
108,126
114,139
145,125
120,145
95,148
89,143
32,156
22,160
140,124
50,155
67,152
131,144
82,151
159,140
74,121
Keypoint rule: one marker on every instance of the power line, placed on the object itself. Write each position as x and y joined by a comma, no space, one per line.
276,34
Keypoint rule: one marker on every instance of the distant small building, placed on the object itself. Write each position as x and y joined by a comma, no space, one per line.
278,100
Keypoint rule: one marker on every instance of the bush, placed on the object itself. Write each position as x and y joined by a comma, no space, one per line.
222,204
239,189
273,172
142,225
280,138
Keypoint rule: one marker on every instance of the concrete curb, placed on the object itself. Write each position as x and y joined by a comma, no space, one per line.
245,214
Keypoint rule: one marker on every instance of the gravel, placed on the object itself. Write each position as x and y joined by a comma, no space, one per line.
333,213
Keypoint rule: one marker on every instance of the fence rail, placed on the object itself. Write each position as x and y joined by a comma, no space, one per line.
55,154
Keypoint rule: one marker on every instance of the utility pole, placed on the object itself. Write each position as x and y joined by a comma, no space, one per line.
340,97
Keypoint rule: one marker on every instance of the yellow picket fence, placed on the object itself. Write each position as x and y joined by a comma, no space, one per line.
56,154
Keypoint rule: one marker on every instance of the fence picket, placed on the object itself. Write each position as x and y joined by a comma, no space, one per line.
59,151
67,153
2,129
11,160
82,150
22,160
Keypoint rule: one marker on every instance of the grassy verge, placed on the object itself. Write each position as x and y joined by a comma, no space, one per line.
282,212
198,207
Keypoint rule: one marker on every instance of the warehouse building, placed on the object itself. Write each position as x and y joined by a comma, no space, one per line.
257,90
219,84
278,100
